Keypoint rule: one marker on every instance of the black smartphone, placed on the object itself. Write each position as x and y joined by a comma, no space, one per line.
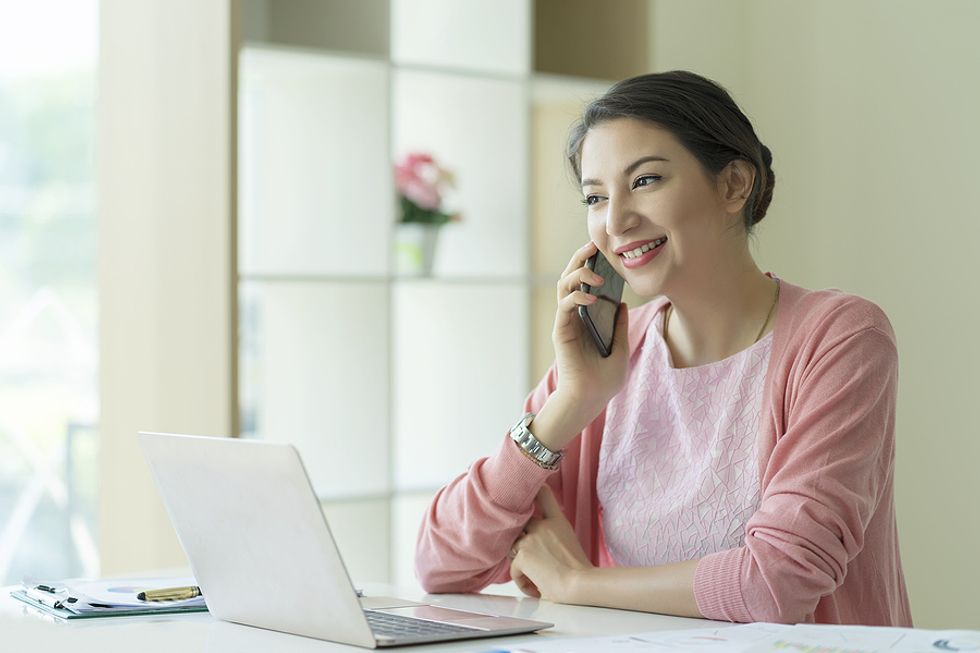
600,318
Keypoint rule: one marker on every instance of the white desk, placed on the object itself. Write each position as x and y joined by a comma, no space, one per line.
25,629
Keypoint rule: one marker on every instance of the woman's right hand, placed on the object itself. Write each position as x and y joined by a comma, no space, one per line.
586,380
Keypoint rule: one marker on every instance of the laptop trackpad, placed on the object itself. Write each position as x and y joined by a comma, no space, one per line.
378,602
435,613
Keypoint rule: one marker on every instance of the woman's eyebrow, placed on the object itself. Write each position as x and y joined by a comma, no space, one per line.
630,168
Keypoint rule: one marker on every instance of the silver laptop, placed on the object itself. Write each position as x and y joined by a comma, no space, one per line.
262,553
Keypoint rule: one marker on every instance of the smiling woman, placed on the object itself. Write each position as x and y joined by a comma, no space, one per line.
733,458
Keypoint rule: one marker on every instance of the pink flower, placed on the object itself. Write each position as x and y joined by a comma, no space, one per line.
424,194
416,159
419,178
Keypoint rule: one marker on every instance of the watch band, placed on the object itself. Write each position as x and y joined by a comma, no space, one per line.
532,447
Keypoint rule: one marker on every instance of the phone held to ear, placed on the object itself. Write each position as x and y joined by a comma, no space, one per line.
600,317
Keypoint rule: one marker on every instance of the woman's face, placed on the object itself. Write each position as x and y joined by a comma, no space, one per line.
653,210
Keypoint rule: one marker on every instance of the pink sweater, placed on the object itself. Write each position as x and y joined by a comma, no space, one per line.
823,545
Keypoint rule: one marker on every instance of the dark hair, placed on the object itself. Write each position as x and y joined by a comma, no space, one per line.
699,113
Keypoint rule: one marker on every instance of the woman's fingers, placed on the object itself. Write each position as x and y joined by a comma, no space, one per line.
569,289
570,302
579,258
577,273
523,582
575,279
568,311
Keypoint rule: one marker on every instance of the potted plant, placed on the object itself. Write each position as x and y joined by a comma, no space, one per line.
421,185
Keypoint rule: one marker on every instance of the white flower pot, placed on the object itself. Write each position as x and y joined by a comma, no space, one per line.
415,248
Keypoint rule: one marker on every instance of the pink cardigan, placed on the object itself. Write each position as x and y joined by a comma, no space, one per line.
823,546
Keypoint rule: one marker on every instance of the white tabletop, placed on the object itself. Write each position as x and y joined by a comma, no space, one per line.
25,629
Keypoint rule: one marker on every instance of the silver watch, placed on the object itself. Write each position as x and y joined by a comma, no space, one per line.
531,446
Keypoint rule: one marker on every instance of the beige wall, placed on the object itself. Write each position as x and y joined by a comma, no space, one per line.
165,231
870,109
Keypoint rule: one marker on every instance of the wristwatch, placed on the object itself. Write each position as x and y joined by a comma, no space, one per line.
531,446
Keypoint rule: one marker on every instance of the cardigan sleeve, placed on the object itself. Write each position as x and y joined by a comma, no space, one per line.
820,488
472,522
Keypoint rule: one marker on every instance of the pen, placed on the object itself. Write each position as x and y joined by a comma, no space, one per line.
170,594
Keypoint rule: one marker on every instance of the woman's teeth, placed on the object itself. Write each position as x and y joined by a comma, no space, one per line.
639,251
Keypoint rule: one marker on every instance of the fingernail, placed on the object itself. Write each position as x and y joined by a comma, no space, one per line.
599,279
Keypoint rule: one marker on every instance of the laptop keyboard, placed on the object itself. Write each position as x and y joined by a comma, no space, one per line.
394,625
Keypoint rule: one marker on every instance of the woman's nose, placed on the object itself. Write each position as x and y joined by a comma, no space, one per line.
620,216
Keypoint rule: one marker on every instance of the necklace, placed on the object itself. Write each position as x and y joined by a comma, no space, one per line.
670,311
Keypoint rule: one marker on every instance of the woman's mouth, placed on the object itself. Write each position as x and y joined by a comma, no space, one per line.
640,256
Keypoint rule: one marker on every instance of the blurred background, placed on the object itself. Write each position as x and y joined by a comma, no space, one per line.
338,224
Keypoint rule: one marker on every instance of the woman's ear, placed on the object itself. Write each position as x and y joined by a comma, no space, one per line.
735,184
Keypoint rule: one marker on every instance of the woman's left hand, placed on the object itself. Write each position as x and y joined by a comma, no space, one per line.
547,558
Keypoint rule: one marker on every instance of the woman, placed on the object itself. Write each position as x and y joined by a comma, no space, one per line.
734,457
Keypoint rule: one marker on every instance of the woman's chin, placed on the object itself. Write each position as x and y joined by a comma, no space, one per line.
645,288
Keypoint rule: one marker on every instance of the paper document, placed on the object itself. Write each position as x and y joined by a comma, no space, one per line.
121,592
104,597
770,638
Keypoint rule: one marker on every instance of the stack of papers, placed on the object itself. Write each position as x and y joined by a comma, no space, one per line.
768,638
103,598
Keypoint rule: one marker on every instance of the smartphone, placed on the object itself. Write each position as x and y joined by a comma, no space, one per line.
600,318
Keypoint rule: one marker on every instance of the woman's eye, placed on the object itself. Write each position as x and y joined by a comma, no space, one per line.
646,180
590,200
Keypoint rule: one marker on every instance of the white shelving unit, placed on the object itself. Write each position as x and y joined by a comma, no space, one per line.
390,386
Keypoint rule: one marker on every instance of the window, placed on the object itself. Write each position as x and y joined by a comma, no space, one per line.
48,349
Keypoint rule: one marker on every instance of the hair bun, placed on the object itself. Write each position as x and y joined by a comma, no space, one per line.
765,196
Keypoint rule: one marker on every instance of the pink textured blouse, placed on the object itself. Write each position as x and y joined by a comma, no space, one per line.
677,474
822,544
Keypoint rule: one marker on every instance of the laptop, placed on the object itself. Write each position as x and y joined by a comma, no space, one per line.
262,553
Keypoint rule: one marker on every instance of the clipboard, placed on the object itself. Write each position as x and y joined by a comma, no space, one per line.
63,613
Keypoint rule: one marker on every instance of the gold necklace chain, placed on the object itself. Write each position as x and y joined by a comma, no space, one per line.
670,311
